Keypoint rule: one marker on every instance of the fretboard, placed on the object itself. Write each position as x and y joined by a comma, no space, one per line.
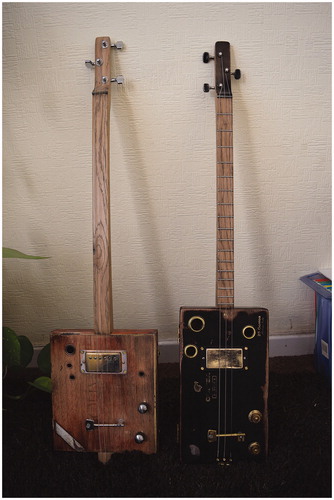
225,212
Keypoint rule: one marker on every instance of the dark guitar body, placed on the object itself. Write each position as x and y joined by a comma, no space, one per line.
224,384
104,379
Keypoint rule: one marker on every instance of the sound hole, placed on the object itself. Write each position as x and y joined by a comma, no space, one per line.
249,332
70,349
190,351
196,324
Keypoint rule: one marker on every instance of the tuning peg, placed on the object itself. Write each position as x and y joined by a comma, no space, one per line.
237,74
118,45
98,62
207,88
88,63
118,79
207,57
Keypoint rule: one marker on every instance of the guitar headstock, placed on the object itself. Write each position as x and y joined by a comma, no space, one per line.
102,64
222,70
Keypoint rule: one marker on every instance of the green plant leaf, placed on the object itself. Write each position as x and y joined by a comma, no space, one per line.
42,383
26,351
10,348
44,360
11,253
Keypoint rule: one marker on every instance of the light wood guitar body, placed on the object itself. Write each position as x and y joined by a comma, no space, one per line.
104,380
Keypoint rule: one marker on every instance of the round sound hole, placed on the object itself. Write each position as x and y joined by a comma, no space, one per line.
249,332
190,351
196,324
70,349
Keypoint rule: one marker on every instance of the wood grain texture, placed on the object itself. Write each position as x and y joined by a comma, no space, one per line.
82,395
105,398
102,277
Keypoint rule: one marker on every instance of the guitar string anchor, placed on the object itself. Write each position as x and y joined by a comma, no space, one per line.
91,425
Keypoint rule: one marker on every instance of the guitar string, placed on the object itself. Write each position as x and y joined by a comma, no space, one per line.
225,93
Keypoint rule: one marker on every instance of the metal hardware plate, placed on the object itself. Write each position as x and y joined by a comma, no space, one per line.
224,358
104,362
213,435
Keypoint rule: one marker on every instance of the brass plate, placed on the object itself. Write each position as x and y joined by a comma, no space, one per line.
104,362
224,358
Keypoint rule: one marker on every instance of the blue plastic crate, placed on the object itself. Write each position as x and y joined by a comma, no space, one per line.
323,323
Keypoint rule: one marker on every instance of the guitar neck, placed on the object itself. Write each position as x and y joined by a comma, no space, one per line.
225,208
102,280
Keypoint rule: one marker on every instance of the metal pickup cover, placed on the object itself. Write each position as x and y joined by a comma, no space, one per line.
224,358
105,362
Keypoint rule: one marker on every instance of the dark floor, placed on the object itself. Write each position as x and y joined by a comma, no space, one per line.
299,462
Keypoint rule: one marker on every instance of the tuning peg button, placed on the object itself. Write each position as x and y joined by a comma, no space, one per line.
118,79
118,45
237,74
207,57
207,88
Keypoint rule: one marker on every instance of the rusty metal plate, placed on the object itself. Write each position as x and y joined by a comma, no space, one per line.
224,358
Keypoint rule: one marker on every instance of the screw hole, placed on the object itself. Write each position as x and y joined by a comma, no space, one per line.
70,349
69,365
72,377
141,374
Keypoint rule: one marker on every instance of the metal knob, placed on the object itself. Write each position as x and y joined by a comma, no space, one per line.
143,408
140,437
255,416
254,448
118,79
117,45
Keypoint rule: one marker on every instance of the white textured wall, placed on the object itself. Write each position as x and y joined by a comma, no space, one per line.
163,160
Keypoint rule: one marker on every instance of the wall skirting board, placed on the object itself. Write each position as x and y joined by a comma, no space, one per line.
279,345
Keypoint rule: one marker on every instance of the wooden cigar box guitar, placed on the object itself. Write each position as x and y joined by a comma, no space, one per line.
223,349
104,380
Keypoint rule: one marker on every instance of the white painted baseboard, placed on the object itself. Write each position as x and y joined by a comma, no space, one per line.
279,345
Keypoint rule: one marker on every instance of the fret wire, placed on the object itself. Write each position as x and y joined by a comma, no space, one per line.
220,114
225,147
222,130
225,279
225,176
224,162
